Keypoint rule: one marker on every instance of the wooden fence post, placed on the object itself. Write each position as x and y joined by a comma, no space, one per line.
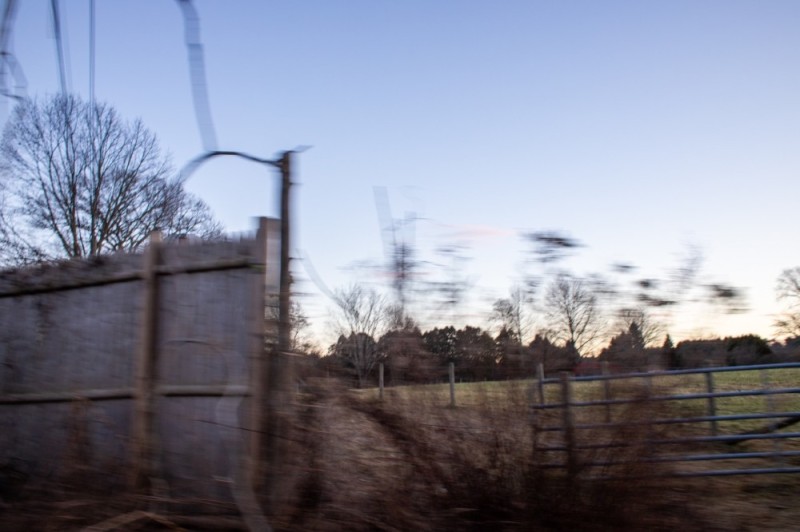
569,426
380,381
142,460
538,388
777,446
606,388
712,405
540,382
452,373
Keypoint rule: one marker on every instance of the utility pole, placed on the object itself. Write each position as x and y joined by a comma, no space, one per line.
270,458
284,308
279,373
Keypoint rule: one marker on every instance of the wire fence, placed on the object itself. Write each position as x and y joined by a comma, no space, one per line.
684,423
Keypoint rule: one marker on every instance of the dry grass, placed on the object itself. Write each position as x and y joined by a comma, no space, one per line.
413,463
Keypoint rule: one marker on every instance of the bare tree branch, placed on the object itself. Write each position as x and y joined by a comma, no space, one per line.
573,312
788,290
81,181
360,318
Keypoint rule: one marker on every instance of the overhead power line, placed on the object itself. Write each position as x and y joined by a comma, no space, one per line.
91,50
8,60
62,70
197,74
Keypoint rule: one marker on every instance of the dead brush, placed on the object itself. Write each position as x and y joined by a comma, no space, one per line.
616,482
413,463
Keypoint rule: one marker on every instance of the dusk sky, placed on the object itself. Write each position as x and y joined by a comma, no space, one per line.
639,128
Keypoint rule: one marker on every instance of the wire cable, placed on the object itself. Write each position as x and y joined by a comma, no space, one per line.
314,276
62,71
91,50
197,74
7,59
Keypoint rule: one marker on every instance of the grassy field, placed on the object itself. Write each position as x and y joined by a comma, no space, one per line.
472,394
722,382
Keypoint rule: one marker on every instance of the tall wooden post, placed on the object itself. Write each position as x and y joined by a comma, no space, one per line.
284,301
279,371
146,366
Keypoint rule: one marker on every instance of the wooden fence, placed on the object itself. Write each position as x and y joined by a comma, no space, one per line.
148,368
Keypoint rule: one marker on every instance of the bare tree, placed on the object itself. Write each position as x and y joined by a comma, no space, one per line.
299,341
510,313
573,313
360,317
651,330
788,290
80,181
13,249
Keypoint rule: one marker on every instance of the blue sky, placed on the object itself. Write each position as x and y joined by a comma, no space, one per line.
637,127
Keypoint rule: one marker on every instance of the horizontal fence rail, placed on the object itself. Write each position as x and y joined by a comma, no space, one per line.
186,390
684,423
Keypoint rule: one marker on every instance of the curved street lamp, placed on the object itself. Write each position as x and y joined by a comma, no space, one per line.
284,165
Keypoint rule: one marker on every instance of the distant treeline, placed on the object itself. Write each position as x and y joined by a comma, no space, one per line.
411,356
